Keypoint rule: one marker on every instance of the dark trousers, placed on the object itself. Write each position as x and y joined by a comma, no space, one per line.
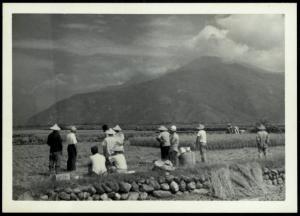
174,157
72,154
54,161
165,152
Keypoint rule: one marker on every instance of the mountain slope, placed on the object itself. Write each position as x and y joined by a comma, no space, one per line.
206,90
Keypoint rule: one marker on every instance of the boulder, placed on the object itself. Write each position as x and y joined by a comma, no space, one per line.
111,195
124,196
134,187
86,195
91,190
141,181
202,178
96,197
58,189
154,184
161,180
77,190
143,196
174,187
133,196
99,189
177,179
165,186
266,170
146,188
161,194
68,190
198,185
114,186
274,172
117,196
178,193
64,196
106,188
191,186
81,196
187,179
73,196
44,197
269,182
201,191
124,187
90,198
169,178
182,186
280,181
104,196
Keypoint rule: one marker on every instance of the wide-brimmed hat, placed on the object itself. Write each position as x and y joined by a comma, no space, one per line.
200,127
162,128
173,128
261,127
110,131
117,128
55,127
73,128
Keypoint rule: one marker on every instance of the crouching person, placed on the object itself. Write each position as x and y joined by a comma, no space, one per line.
96,165
118,162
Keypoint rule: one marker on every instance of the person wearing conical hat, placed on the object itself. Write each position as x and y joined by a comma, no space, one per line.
109,143
54,140
120,139
262,140
201,143
72,149
164,140
174,141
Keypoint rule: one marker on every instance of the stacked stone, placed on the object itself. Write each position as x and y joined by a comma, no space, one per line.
274,176
140,189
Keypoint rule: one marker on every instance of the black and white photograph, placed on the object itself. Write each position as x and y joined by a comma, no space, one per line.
144,107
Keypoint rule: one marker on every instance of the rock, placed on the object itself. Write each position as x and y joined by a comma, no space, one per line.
191,186
202,178
165,186
167,173
281,170
274,172
146,188
77,190
106,188
182,186
104,196
86,195
185,192
124,196
275,182
44,197
206,184
178,193
161,180
124,187
52,195
161,194
81,196
198,185
91,190
154,184
99,189
169,178
269,182
68,190
134,187
143,196
187,179
90,198
266,177
177,180
58,189
174,187
201,191
266,170
84,188
64,196
111,195
283,176
280,181
73,196
141,181
133,196
96,197
117,196
114,186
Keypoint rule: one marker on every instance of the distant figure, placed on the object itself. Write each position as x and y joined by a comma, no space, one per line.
262,140
119,139
164,140
229,129
55,142
174,141
105,128
109,143
72,149
201,144
236,130
96,164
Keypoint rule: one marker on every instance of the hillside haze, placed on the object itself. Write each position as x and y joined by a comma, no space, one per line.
205,90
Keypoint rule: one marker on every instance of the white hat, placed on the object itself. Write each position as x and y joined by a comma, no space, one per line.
110,131
117,128
162,128
200,127
73,128
55,127
173,128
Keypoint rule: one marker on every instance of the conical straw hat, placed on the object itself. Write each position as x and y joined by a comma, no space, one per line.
162,128
55,127
117,128
200,127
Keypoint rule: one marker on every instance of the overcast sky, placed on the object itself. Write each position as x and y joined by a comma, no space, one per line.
77,53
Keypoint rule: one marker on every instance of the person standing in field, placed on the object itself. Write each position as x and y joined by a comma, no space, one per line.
109,143
105,128
119,136
174,141
96,164
201,144
164,140
72,149
55,142
262,140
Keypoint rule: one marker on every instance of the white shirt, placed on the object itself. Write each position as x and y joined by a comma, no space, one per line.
202,136
71,138
109,144
119,161
98,163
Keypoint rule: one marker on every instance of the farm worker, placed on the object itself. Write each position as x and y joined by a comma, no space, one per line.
120,139
105,128
262,140
236,130
174,141
109,143
72,149
55,142
201,142
96,165
229,128
164,141
118,162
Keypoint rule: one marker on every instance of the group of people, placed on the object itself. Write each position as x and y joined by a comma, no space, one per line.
112,160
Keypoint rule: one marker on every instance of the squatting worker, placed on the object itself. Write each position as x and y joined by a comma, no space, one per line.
72,149
55,142
201,144
262,140
109,144
174,141
119,136
164,141
96,164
